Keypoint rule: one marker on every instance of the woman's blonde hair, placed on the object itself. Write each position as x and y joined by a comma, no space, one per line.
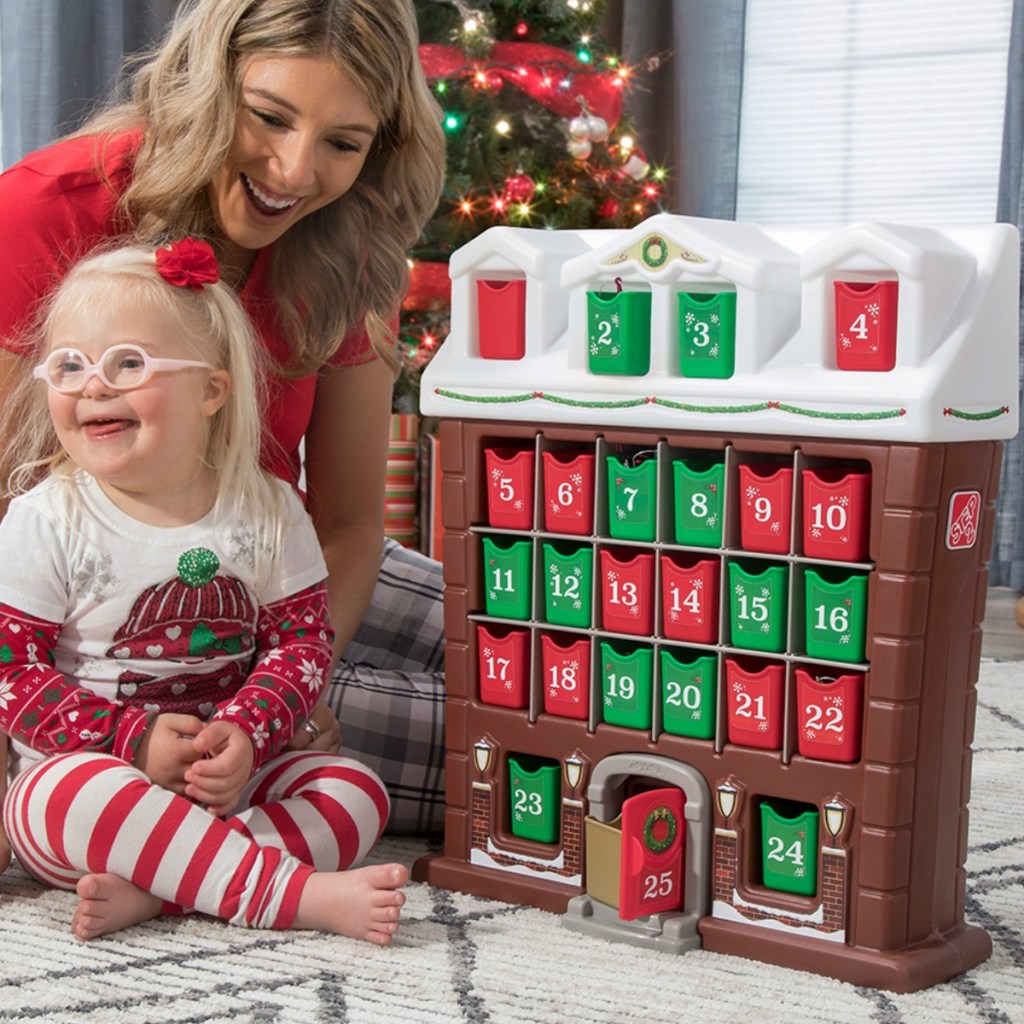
340,265
212,327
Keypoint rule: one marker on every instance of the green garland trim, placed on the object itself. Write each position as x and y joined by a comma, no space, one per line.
1003,410
690,407
668,403
628,403
884,414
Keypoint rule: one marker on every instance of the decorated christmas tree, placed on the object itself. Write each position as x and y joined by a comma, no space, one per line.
533,104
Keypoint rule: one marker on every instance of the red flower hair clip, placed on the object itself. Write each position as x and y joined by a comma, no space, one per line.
188,263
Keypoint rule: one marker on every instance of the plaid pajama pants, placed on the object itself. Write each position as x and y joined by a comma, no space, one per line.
388,690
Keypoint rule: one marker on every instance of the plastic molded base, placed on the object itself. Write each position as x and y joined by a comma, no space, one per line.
668,933
905,970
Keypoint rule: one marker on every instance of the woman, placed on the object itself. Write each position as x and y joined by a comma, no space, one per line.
300,138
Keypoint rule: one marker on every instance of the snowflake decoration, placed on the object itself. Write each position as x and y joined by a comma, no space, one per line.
620,513
488,652
713,351
635,611
712,520
243,545
762,726
577,605
608,701
752,492
765,592
496,474
766,627
594,349
95,576
845,638
553,569
312,674
615,320
874,309
615,350
715,319
816,533
577,571
738,590
738,687
776,527
518,506
845,342
612,576
576,479
690,319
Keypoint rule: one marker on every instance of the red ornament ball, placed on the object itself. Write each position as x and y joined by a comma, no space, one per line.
608,209
519,188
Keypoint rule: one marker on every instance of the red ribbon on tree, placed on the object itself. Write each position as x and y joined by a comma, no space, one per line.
552,77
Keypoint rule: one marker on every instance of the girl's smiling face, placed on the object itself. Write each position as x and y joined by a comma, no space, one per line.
146,446
302,134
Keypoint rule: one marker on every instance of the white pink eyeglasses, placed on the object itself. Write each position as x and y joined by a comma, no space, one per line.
122,368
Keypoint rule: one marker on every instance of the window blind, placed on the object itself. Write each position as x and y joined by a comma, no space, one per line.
872,109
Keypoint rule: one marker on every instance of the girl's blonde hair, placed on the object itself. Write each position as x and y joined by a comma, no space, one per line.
212,327
346,262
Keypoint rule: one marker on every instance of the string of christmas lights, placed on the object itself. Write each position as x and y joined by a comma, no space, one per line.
532,104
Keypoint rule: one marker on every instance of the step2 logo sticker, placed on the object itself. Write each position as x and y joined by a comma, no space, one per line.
964,519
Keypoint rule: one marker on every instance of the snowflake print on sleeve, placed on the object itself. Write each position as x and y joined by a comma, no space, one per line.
43,709
293,659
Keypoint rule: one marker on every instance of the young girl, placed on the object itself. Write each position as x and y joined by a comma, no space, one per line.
301,139
164,626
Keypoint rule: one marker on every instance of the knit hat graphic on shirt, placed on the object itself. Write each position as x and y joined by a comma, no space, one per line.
194,616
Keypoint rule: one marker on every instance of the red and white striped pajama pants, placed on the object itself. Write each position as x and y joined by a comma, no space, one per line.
82,813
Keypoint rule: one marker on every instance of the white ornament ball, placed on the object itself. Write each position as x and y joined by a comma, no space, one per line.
579,128
598,128
580,148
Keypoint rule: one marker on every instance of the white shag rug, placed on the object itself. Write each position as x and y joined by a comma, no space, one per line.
462,959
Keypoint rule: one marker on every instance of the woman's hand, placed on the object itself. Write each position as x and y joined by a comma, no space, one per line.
320,731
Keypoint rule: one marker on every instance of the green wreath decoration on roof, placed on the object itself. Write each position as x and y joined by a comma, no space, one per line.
654,251
659,839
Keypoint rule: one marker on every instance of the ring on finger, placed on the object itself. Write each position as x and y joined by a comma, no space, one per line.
312,728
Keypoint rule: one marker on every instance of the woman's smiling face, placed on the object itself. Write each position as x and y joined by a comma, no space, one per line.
302,135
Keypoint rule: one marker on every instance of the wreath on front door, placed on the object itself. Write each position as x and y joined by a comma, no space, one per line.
660,828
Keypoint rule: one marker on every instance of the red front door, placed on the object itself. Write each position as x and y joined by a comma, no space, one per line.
653,847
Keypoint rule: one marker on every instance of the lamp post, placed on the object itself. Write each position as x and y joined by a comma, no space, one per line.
573,773
482,757
726,795
835,818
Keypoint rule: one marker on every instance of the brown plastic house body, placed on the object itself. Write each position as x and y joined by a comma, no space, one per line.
885,903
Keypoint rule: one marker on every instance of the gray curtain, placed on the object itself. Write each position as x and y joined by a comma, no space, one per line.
61,57
687,110
1007,566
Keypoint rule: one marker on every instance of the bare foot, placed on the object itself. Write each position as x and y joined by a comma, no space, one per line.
107,903
362,904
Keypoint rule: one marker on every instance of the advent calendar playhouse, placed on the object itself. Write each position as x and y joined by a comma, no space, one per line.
717,501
